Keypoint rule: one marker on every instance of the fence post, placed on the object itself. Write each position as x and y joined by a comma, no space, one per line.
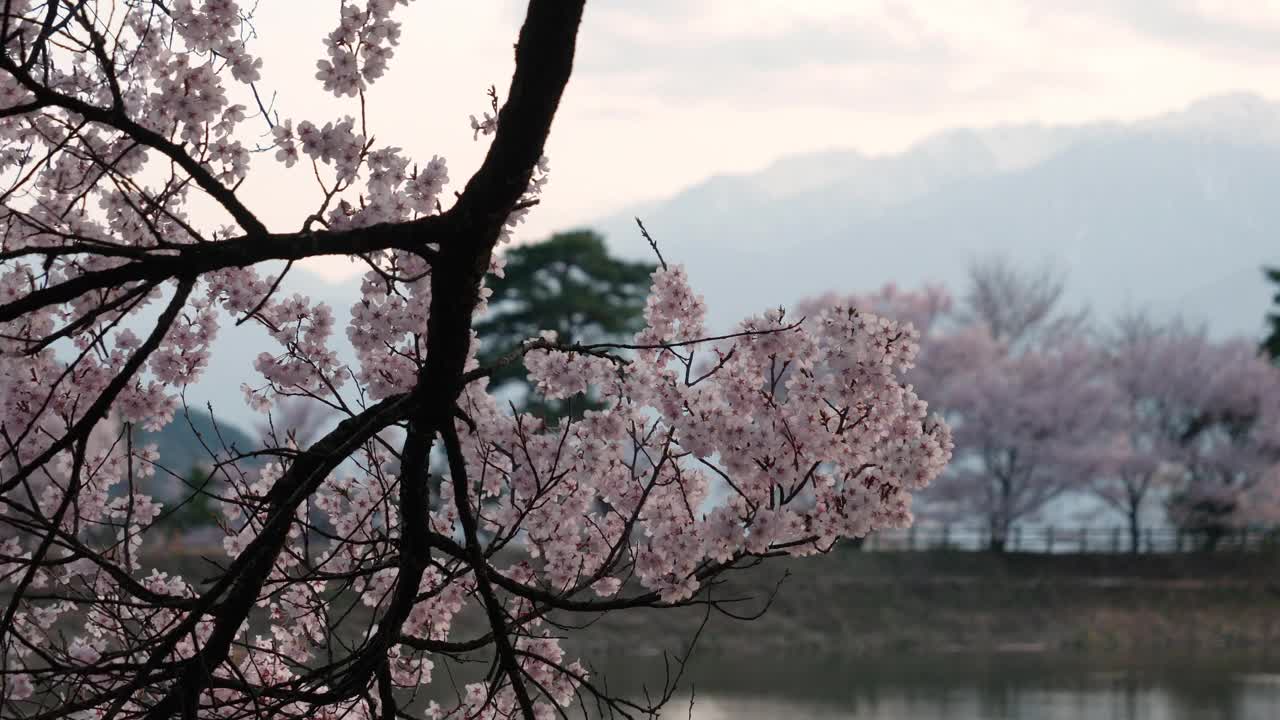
1017,537
911,538
1151,547
1048,541
1178,540
1084,540
1115,540
946,536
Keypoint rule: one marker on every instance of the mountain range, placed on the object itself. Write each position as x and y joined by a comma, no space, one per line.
1174,214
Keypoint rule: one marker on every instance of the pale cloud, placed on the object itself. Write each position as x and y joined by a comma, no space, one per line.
668,92
1246,29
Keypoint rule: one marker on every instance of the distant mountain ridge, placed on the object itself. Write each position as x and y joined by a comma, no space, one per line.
189,441
1176,213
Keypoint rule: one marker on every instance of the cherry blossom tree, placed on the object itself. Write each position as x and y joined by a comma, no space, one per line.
1196,421
1216,418
1017,376
344,593
1027,425
1150,365
1018,379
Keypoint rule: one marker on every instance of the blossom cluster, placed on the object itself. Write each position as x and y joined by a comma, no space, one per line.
360,47
799,434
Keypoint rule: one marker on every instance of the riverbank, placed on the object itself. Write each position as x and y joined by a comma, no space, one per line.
855,604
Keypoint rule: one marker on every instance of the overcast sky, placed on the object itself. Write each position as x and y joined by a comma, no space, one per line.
667,92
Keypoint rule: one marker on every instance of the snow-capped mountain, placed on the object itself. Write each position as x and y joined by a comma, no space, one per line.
1176,213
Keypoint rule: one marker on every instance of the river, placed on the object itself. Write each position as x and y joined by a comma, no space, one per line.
1011,686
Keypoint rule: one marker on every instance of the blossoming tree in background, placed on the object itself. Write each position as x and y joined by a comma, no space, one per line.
1026,424
1195,426
1136,462
1142,414
1214,407
344,592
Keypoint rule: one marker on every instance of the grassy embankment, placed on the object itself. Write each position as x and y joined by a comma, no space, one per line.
867,604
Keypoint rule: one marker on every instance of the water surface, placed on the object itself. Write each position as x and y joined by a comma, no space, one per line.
1004,687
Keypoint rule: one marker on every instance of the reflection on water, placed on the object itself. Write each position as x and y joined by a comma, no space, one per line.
1100,703
1001,688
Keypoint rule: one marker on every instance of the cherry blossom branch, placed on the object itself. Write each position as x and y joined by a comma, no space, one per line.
600,350
652,243
493,609
102,404
210,257
244,578
116,118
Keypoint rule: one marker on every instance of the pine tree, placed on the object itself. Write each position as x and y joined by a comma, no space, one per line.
570,284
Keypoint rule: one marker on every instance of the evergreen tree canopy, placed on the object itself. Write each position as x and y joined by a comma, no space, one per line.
568,283
1272,343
